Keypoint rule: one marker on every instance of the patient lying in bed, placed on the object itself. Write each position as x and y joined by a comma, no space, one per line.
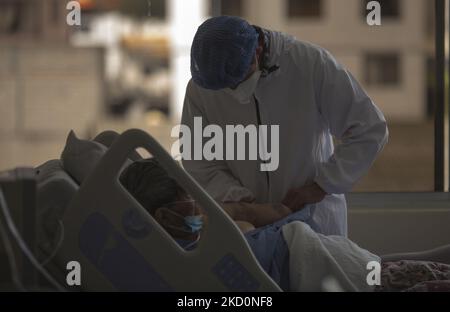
262,226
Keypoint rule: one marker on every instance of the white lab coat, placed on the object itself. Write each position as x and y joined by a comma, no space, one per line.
312,98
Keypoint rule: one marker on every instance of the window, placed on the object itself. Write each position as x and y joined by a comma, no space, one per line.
226,7
10,17
55,11
389,8
145,9
304,8
382,69
22,18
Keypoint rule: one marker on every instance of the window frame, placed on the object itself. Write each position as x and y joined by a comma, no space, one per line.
440,132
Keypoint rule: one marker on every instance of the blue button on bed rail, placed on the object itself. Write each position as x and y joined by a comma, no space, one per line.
234,275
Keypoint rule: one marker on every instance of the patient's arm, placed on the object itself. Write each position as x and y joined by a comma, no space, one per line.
245,226
256,214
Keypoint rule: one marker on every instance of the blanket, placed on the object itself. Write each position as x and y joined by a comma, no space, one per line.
316,260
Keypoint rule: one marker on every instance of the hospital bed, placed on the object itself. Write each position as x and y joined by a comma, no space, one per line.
120,247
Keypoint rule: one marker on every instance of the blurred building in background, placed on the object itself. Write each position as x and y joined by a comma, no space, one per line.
47,86
394,62
33,20
127,65
391,60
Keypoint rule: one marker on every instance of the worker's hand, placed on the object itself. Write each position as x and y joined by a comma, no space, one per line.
237,211
297,198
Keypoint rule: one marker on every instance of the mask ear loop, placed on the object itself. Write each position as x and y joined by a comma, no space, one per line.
179,216
188,246
173,212
181,202
177,228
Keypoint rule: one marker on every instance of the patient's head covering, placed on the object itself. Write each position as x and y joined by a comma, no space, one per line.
222,52
150,184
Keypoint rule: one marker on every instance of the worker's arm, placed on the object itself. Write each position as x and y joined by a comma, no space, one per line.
213,175
297,198
256,214
353,119
245,226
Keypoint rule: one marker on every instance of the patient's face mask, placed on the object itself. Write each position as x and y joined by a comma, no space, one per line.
245,90
193,223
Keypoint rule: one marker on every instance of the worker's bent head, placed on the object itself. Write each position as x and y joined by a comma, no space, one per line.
222,52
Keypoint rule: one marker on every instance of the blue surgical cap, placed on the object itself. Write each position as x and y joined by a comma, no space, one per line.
222,52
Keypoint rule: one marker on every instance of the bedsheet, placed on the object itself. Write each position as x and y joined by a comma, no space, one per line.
414,276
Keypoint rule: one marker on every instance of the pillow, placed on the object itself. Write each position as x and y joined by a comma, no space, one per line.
80,157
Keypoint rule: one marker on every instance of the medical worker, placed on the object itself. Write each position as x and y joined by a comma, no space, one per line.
246,75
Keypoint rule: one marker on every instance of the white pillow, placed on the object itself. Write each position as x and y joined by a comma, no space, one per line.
80,157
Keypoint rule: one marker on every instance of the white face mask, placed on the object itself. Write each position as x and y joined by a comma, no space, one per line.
245,90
